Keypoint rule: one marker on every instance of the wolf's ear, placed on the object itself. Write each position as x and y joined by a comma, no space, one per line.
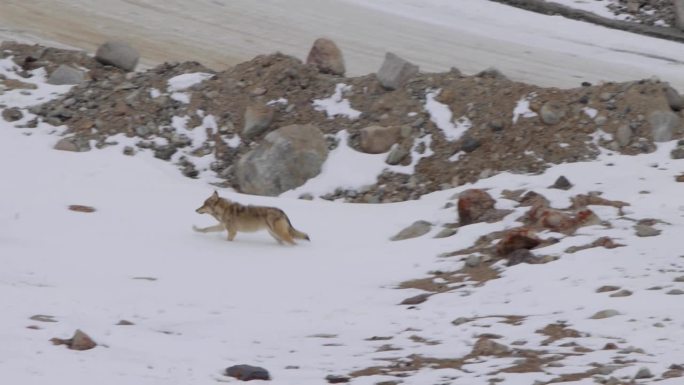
215,194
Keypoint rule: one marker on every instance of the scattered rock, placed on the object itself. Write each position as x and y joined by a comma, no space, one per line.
663,125
623,135
521,256
562,183
74,144
397,154
378,139
66,75
256,119
43,318
551,113
605,314
285,159
118,54
124,322
473,261
12,114
80,341
607,288
247,373
677,153
460,321
487,347
416,229
416,300
395,71
446,232
674,99
473,204
643,373
622,293
675,292
516,239
337,379
646,231
82,209
327,57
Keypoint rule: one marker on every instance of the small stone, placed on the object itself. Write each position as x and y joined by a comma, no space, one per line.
473,261
306,197
460,321
677,153
82,208
12,114
623,135
551,113
622,293
257,119
562,183
417,229
336,379
610,346
247,373
129,150
395,71
415,300
643,373
492,73
663,125
646,231
72,144
496,125
397,154
446,232
487,347
605,314
607,288
675,292
80,341
378,139
679,279
43,318
66,75
674,99
165,152
470,144
124,322
520,256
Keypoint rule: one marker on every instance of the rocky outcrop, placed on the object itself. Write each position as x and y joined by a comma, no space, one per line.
326,57
118,54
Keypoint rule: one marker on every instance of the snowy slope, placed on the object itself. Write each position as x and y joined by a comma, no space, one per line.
199,304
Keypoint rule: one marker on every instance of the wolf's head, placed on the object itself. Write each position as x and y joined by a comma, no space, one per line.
209,204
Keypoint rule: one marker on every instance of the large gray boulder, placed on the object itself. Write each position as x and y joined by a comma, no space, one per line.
326,57
66,75
118,54
395,71
285,159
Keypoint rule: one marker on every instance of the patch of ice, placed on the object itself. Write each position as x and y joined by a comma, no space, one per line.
522,109
182,97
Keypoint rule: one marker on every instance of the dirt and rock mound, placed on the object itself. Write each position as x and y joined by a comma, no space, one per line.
446,128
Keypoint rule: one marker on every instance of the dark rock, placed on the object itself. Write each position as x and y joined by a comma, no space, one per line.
562,183
247,373
12,114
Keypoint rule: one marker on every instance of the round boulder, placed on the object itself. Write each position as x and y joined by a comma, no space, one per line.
325,55
118,54
285,159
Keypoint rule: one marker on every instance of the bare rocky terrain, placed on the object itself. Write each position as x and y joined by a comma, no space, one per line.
509,126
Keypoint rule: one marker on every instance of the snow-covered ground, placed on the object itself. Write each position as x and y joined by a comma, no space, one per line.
470,35
199,303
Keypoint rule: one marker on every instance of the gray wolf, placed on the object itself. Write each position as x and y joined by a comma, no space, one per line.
234,217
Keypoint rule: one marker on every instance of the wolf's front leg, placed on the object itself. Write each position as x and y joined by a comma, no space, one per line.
232,231
214,228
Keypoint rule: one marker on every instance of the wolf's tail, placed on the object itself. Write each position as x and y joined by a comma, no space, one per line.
298,234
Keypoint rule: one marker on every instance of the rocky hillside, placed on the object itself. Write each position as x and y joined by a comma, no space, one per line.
438,130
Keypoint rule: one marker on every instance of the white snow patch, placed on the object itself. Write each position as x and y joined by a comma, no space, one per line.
185,81
590,112
274,102
336,105
154,93
522,109
182,97
441,116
